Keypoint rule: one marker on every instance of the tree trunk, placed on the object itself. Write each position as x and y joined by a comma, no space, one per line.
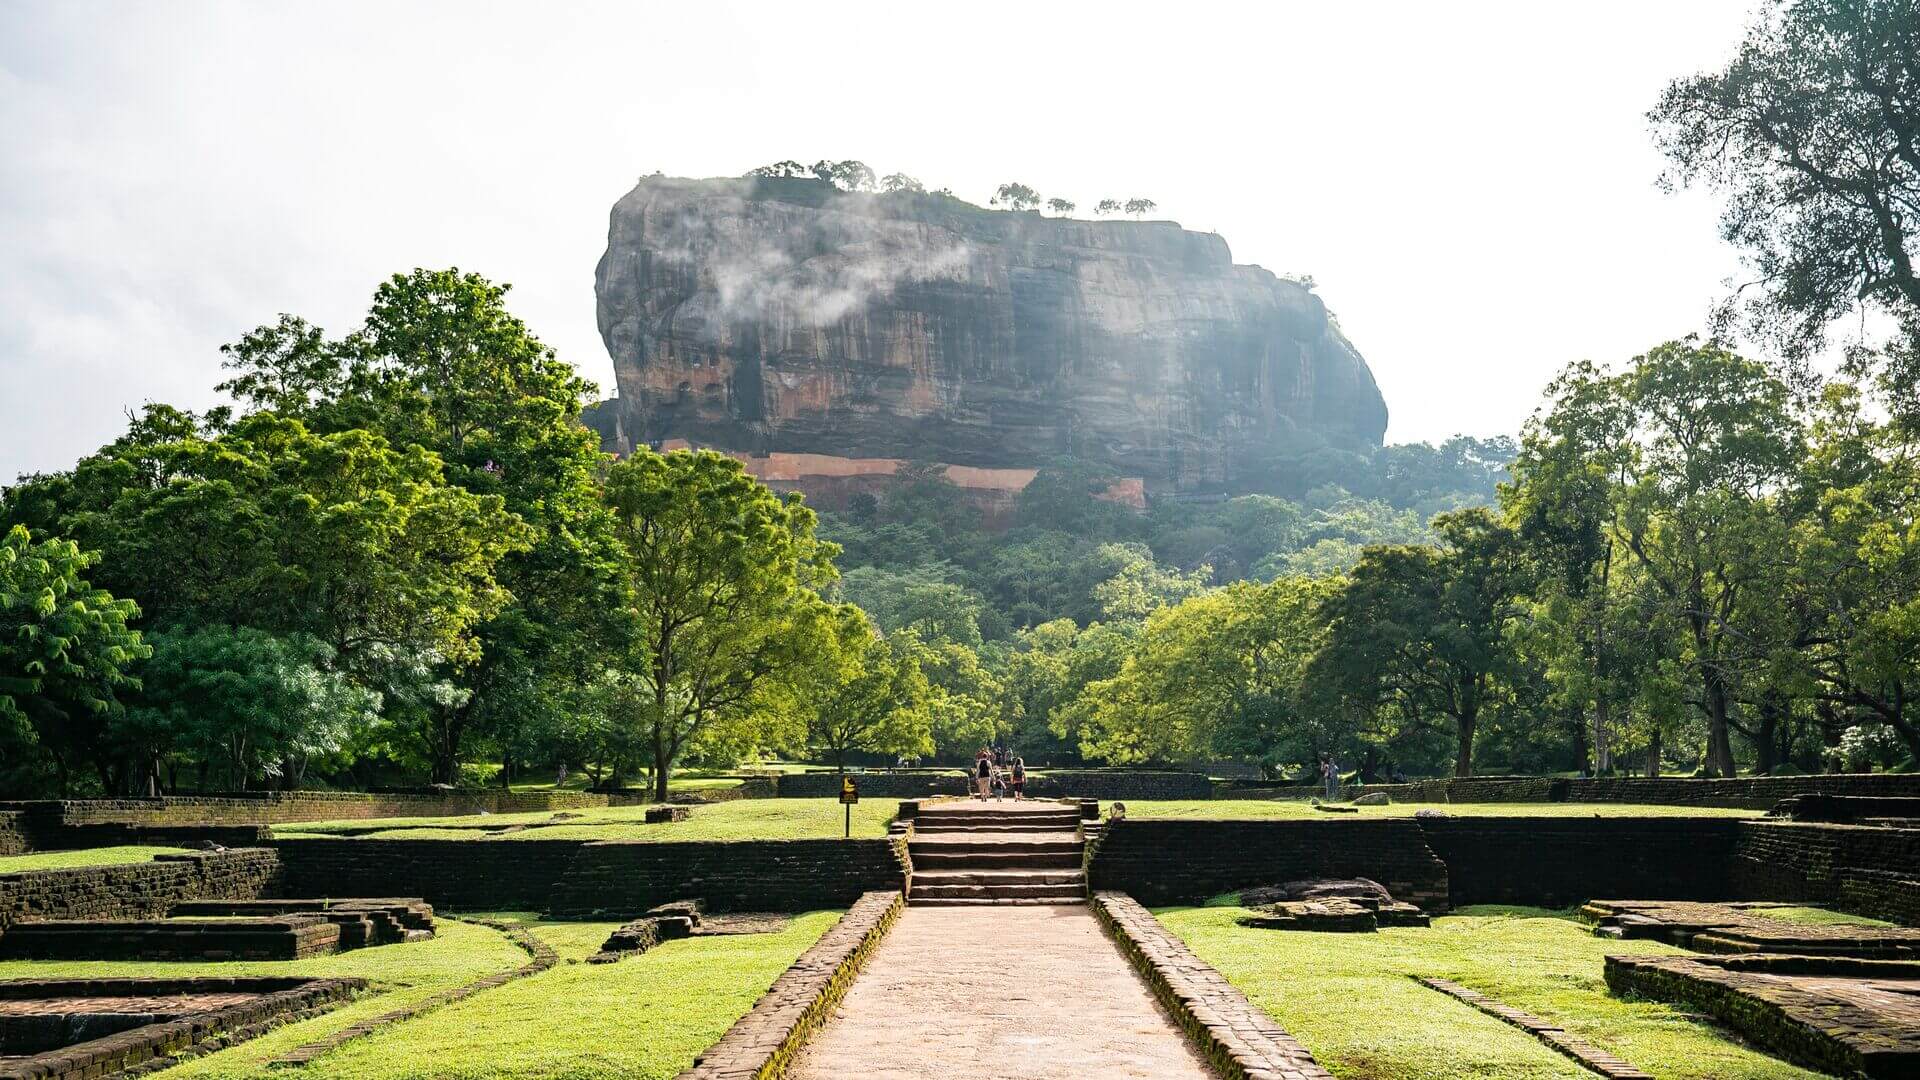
1463,756
1602,737
1719,738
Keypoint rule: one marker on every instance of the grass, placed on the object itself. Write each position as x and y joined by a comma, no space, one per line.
460,953
68,860
643,1018
1262,809
742,819
1352,999
1813,916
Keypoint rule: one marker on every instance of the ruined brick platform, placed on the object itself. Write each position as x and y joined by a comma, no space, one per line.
1838,1014
1734,928
87,1029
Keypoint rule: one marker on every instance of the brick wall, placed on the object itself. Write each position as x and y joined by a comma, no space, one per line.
1121,784
1868,871
1747,792
137,890
1173,861
623,879
470,875
577,877
1557,862
14,837
276,807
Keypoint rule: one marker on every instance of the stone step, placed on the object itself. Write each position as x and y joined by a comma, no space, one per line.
994,827
981,844
999,876
936,901
1008,860
997,892
1066,816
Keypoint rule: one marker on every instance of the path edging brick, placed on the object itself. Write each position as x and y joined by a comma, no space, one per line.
1588,1055
763,1043
543,958
1237,1037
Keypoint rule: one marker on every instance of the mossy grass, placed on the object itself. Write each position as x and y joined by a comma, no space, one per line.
741,819
1352,999
68,860
1261,809
1813,916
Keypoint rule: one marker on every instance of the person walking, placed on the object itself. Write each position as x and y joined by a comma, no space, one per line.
1331,767
1019,778
983,771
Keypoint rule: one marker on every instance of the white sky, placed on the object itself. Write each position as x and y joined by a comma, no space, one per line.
1472,185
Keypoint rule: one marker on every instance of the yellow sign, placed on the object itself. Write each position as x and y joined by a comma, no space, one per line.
849,791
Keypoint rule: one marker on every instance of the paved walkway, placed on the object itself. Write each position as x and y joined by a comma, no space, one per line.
993,992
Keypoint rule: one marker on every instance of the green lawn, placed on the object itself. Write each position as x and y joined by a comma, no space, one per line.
67,860
643,1018
460,953
1260,809
1352,999
742,819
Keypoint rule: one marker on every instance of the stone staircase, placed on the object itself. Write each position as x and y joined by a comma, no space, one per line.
969,852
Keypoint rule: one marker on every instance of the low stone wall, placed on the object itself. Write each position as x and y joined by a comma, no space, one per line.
279,807
1120,784
1556,862
1747,792
1241,1041
579,878
137,890
761,1044
150,1047
1175,861
469,875
14,837
1865,870
622,879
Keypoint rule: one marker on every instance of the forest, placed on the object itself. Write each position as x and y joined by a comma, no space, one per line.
398,557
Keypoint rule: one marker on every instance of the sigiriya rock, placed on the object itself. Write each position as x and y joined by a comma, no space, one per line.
787,319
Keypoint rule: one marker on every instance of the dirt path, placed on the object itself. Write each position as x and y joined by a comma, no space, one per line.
990,992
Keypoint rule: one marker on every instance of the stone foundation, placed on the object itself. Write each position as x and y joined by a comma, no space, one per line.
137,890
92,1029
1850,1017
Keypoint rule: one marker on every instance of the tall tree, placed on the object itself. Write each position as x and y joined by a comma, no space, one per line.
719,573
1425,627
1812,131
66,656
866,694
1016,197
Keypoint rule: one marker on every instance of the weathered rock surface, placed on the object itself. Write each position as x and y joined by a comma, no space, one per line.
763,316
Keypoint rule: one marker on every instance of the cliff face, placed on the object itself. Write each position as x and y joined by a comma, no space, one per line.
781,315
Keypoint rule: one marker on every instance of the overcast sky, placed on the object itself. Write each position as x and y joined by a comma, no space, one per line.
1471,184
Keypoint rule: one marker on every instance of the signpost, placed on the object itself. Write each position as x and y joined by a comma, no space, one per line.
849,794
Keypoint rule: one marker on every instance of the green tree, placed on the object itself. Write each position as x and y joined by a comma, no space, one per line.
1218,673
1015,197
1107,207
66,654
1424,628
1812,131
901,182
1137,207
258,703
720,573
1062,207
866,694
